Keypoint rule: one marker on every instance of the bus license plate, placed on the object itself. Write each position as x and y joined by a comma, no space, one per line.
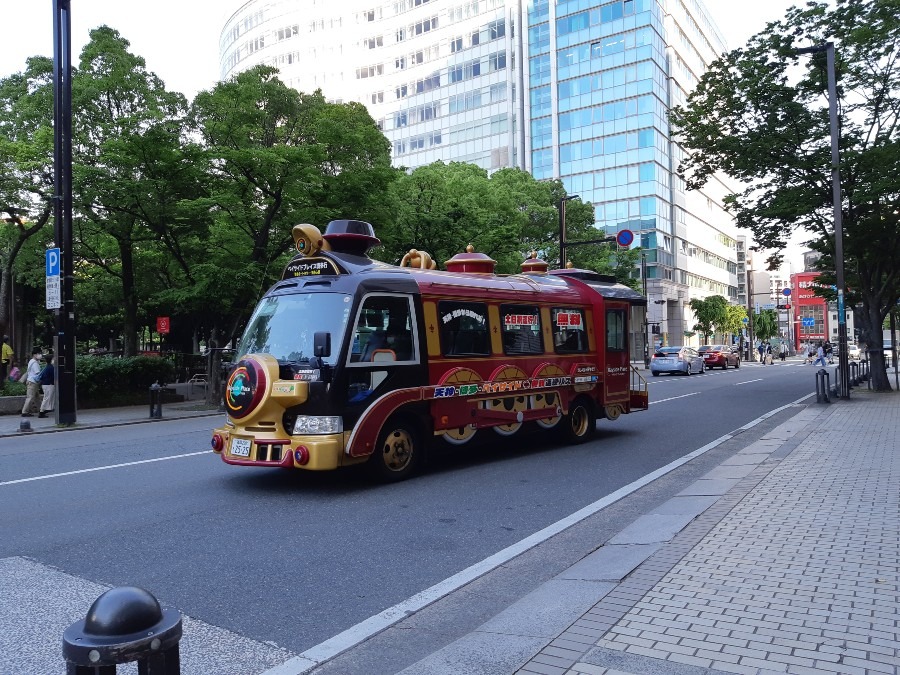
240,447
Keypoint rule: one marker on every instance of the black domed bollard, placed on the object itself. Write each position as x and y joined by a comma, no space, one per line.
122,626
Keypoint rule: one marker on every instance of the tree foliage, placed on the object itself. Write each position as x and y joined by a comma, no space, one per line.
749,119
765,324
711,314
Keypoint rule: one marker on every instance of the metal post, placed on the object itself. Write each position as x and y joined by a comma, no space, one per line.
562,230
843,363
894,349
646,311
64,341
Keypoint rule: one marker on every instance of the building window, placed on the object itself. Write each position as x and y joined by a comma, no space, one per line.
456,45
496,29
378,97
401,34
615,330
400,63
498,61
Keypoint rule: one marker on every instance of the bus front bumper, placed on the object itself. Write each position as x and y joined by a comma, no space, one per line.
313,453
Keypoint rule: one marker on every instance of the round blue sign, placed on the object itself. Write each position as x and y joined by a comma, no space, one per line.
625,237
786,292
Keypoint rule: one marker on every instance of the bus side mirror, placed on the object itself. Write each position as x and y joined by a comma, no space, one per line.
322,344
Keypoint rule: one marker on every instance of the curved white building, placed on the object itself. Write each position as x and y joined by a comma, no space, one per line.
573,89
435,74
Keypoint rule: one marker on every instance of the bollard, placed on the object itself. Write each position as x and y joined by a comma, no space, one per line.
155,401
822,386
124,625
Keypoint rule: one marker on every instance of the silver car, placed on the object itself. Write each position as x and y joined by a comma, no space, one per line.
684,360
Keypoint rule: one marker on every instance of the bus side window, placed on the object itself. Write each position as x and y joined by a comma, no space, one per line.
615,330
569,336
521,329
464,328
384,325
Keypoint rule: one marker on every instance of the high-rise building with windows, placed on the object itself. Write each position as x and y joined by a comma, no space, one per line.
571,89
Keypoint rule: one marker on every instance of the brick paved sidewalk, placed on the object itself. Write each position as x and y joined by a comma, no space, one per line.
795,570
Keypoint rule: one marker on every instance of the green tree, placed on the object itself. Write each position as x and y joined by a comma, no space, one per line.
26,168
734,319
275,157
441,208
711,314
127,130
747,120
765,324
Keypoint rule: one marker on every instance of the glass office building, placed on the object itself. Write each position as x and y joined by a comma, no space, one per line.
571,89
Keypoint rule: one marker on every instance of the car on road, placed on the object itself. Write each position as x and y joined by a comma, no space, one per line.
853,352
719,356
683,360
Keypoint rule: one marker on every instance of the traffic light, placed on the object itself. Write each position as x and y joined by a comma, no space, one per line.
783,306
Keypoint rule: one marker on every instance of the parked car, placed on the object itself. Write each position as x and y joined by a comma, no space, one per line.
684,360
853,352
719,356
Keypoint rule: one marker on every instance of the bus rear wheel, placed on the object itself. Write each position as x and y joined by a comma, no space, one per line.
581,421
398,452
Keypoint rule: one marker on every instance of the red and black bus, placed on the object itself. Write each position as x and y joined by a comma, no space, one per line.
349,360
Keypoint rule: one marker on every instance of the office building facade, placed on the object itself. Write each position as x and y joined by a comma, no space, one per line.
572,89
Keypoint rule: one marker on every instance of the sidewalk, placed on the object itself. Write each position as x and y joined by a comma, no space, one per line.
784,559
104,417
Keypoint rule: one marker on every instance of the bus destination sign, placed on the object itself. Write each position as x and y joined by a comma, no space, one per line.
310,267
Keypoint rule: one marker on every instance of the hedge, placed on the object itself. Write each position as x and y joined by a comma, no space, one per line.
99,378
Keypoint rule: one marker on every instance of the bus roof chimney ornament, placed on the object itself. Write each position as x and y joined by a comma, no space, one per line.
355,237
534,265
477,263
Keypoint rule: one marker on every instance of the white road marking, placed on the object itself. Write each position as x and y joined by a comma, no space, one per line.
101,468
758,379
327,650
663,400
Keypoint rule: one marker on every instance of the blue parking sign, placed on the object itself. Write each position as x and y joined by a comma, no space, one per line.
52,261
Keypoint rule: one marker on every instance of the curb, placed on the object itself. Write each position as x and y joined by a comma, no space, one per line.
102,425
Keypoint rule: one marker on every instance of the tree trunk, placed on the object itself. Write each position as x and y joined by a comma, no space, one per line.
129,299
871,335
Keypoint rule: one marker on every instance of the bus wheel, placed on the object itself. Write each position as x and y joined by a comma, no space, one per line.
581,422
398,451
612,412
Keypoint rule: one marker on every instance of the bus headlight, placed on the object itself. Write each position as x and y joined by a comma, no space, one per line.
306,424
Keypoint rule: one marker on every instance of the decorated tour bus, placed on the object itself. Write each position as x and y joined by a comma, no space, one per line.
349,360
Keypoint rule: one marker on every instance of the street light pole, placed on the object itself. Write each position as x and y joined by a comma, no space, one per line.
62,210
562,230
843,362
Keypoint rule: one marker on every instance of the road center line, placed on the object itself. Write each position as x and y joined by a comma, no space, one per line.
663,400
101,468
758,379
327,650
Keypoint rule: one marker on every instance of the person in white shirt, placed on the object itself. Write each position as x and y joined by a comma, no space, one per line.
32,383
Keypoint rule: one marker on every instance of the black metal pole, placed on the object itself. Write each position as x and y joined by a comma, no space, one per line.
562,233
843,362
62,209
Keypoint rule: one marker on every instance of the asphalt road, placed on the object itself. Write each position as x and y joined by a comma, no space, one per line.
293,558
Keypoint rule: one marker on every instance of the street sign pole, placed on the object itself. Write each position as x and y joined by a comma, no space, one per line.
64,342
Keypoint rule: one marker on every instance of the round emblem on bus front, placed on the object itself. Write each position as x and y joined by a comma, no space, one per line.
245,388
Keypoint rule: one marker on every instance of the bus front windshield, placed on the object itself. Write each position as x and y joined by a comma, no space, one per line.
284,325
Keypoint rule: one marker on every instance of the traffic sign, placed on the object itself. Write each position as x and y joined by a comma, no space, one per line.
745,320
768,306
53,295
51,258
162,325
808,321
786,291
624,238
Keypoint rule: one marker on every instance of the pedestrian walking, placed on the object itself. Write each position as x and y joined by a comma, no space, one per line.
783,351
32,384
47,378
761,348
820,355
6,359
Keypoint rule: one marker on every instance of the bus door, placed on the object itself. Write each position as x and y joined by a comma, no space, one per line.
384,352
617,368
